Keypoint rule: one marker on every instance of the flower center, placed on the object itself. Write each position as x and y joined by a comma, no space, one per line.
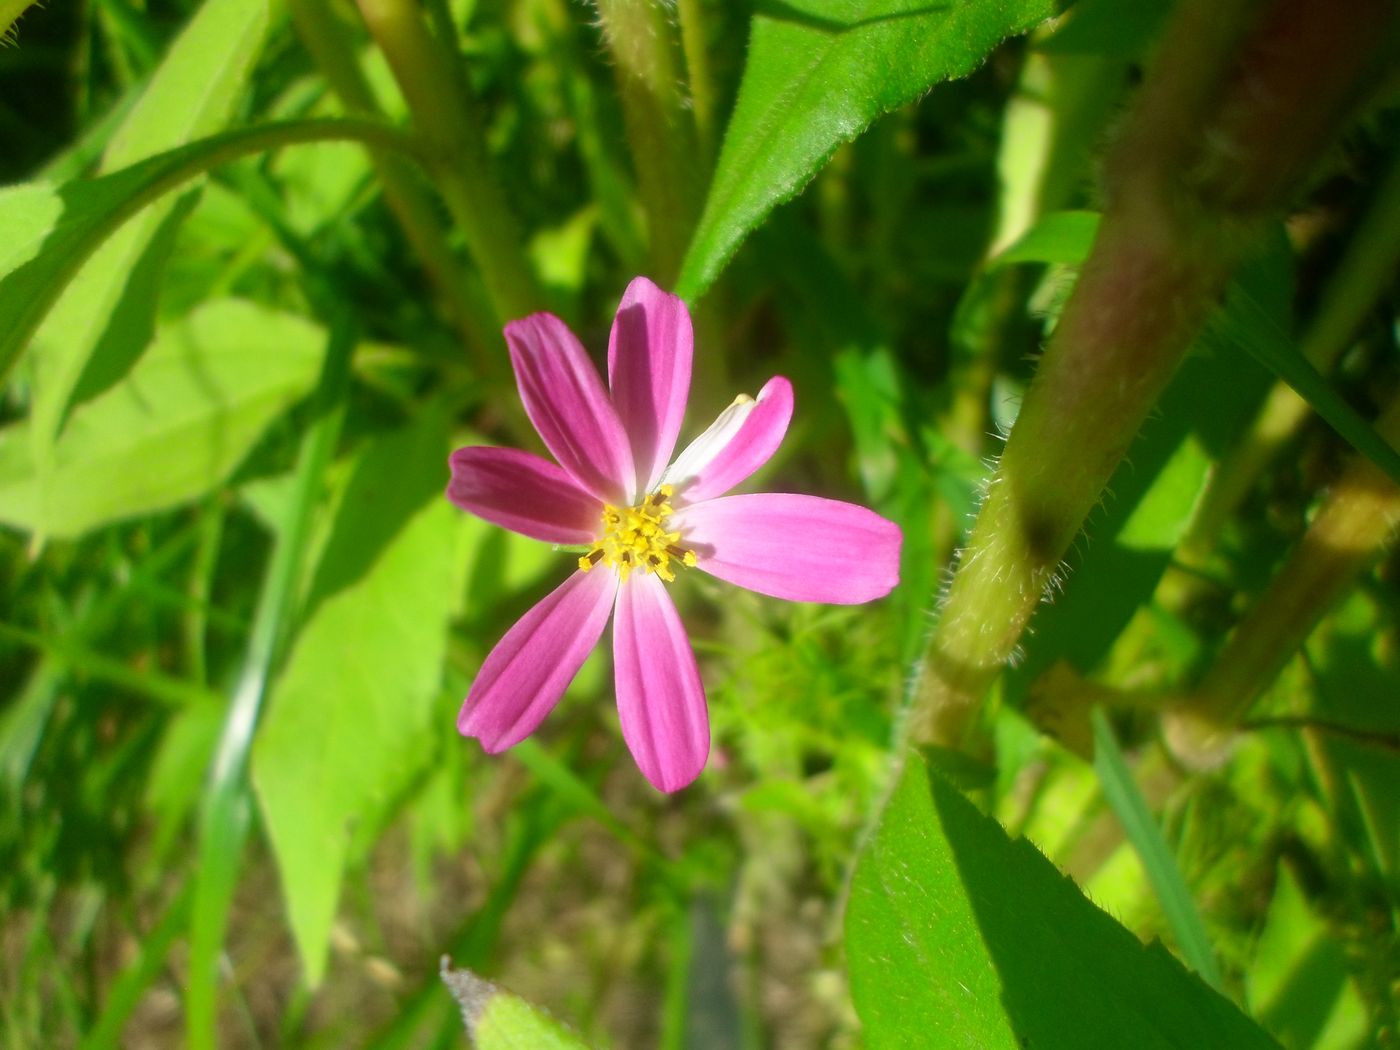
637,538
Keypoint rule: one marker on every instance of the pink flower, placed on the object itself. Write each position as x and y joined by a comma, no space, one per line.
642,521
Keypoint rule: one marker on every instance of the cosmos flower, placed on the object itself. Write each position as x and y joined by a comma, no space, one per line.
641,522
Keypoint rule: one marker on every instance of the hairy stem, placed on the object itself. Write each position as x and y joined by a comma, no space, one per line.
1241,98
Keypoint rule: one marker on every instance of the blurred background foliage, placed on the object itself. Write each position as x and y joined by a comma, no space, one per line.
239,618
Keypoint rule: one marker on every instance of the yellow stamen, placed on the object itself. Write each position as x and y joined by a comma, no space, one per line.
636,539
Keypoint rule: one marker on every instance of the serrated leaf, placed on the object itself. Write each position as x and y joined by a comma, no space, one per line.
104,311
818,72
173,429
350,714
957,936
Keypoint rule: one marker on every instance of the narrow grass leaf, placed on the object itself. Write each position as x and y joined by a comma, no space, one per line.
225,808
1141,828
1248,325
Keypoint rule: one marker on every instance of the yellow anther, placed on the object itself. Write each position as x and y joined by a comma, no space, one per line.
636,539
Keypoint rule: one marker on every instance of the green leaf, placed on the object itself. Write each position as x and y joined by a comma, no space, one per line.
51,231
105,311
10,10
1141,828
173,429
817,74
1248,325
958,936
352,714
1299,984
497,1020
1064,237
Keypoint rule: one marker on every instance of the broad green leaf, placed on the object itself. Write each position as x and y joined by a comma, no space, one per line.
173,429
818,72
958,936
104,311
497,1020
51,231
352,714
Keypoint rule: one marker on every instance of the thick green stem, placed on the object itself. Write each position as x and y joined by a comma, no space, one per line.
1360,518
445,115
325,35
1204,155
659,126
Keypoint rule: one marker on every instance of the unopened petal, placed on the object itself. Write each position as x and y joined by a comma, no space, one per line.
740,441
660,700
528,671
649,355
802,548
565,400
524,493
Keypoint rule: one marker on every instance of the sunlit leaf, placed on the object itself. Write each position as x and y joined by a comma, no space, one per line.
351,716
105,312
173,429
51,231
958,936
817,74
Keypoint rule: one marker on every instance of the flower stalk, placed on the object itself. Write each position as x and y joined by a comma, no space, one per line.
446,117
1240,100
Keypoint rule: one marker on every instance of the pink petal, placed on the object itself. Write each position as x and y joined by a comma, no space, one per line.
802,548
565,400
740,441
523,493
660,700
649,371
528,671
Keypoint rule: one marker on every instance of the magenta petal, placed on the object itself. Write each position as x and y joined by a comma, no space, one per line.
528,671
660,700
523,493
704,473
649,356
565,400
802,548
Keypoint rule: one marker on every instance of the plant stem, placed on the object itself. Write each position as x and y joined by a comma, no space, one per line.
659,126
325,35
446,117
1238,103
699,74
1358,281
1359,519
